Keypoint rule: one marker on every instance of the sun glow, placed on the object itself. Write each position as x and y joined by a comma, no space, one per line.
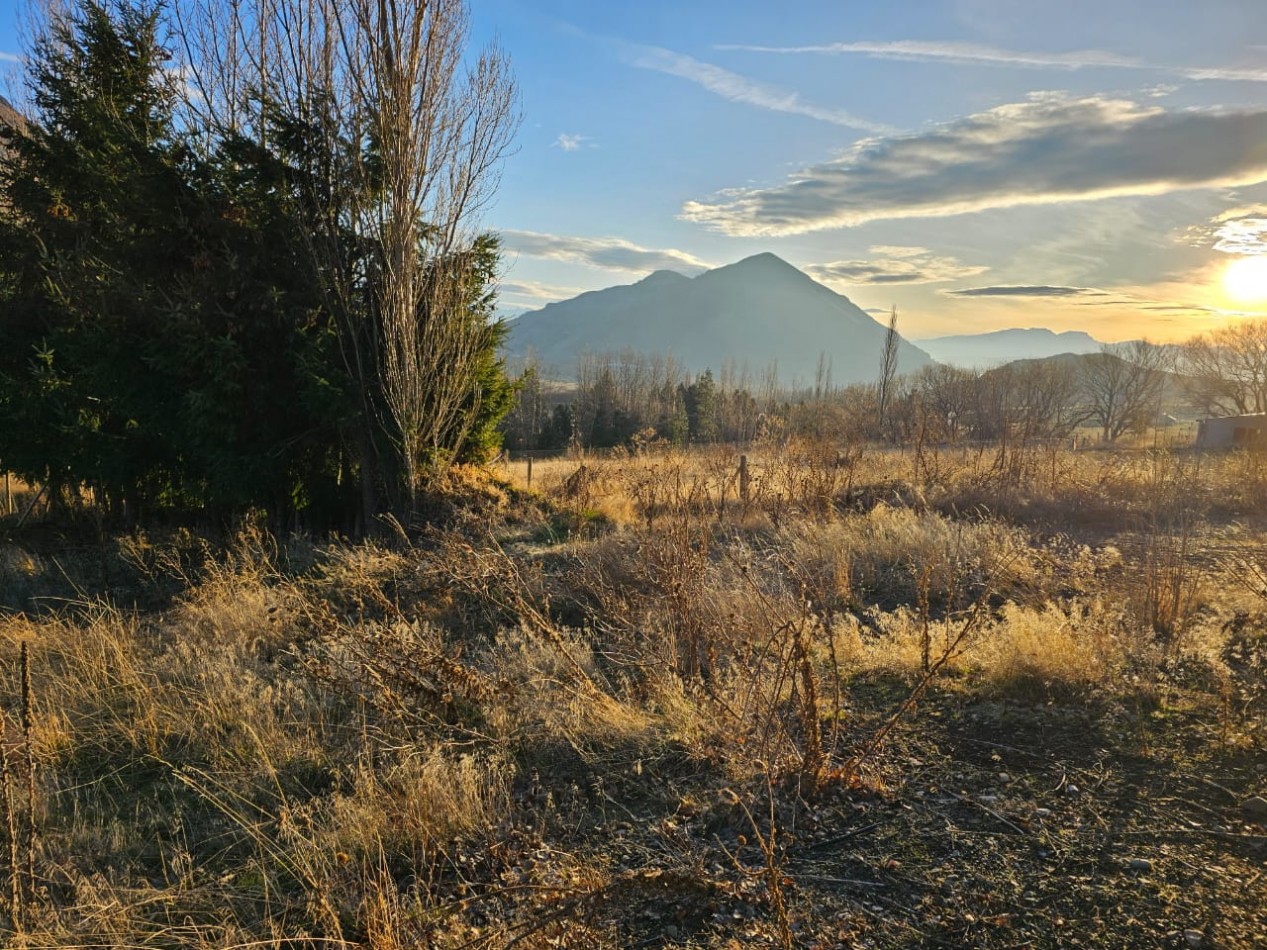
1246,279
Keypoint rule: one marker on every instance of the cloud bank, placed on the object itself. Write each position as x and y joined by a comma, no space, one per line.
1048,149
894,265
608,253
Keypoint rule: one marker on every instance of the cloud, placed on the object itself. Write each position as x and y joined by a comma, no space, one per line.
974,54
1245,233
1227,74
894,265
1110,301
1009,290
736,88
535,292
957,53
1239,230
11,57
609,253
569,143
1048,149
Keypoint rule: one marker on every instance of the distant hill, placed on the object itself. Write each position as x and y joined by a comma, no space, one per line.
983,350
1173,395
759,311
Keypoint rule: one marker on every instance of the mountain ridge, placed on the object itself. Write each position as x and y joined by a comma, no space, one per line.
753,312
996,347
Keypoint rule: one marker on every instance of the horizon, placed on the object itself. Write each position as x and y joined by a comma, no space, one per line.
688,139
985,166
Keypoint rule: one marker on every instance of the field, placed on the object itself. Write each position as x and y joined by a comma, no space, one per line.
814,696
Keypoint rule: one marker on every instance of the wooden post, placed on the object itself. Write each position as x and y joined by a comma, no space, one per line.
743,480
530,471
8,495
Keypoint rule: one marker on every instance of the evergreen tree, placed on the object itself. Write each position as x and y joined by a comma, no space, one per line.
701,408
92,189
167,335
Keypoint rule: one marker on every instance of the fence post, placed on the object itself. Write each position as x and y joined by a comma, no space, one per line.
530,472
743,480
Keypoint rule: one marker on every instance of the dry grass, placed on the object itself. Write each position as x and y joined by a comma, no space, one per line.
551,719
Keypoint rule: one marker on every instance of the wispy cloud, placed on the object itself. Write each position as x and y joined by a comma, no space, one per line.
894,265
1026,290
974,54
569,143
1112,301
534,293
1048,149
958,53
609,253
11,57
737,88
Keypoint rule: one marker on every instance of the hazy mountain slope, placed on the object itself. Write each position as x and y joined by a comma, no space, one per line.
981,350
1174,394
757,311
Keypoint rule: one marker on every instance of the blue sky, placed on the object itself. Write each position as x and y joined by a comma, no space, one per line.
978,163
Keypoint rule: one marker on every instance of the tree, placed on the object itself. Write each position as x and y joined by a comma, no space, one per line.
203,316
947,393
1122,385
1225,371
528,420
392,135
888,373
79,184
700,400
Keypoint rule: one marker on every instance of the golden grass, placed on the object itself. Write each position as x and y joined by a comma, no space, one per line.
338,742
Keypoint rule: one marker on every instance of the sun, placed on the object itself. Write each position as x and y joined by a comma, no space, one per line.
1246,279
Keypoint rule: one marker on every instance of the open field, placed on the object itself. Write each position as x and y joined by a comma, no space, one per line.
839,697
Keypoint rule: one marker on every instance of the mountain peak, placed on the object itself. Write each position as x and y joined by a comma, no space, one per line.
663,277
763,261
760,312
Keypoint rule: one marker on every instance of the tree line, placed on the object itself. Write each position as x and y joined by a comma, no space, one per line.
631,399
240,261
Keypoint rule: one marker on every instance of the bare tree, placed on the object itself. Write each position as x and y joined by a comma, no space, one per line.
888,372
406,136
946,393
1122,386
1225,371
440,135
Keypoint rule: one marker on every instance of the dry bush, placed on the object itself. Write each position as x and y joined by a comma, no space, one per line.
895,556
412,743
1056,652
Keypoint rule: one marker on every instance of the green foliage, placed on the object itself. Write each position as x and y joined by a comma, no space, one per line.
494,393
94,190
701,408
166,335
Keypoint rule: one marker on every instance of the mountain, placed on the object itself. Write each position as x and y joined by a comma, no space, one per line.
759,311
983,350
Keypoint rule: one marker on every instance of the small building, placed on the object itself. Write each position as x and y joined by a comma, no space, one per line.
1230,432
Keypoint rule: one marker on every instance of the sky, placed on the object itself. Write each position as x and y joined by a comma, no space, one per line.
1091,165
